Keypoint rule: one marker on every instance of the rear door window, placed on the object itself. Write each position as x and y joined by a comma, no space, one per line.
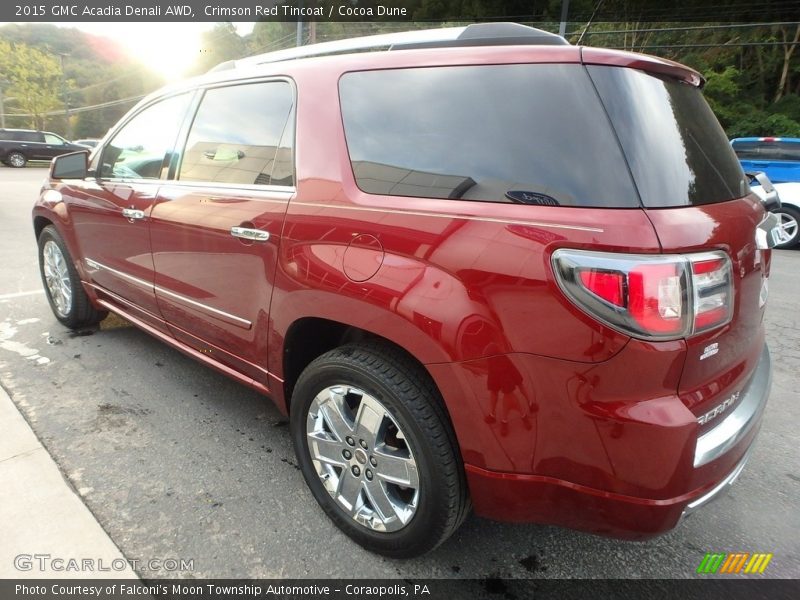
29,136
527,134
242,134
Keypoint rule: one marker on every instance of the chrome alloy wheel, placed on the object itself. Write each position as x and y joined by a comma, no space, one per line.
56,275
15,159
788,224
362,458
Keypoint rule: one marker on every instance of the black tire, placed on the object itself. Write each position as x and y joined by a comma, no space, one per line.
16,159
80,312
411,401
790,220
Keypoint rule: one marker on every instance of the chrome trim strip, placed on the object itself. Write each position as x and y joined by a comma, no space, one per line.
718,440
279,190
448,216
93,264
220,314
718,489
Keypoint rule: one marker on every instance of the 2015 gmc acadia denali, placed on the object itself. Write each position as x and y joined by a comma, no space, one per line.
485,269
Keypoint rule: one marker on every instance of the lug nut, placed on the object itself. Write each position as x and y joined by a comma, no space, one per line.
373,461
347,454
356,471
350,440
363,444
369,475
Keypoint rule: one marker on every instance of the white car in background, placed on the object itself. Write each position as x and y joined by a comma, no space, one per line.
789,212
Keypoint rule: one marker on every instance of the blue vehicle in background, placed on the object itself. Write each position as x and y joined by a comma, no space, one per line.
779,158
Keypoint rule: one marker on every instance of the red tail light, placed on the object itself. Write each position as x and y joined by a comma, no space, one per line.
649,296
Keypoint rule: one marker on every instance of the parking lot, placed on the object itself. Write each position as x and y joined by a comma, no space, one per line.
177,461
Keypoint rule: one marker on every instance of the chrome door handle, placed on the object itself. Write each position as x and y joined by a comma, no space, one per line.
254,235
132,213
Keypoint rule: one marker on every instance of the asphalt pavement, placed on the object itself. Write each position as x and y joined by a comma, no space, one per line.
184,468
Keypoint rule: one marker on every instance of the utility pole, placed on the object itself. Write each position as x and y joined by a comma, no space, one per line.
562,28
299,37
65,97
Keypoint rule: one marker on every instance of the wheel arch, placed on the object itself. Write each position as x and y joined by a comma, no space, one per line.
310,337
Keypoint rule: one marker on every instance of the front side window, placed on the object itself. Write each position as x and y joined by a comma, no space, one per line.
53,140
143,147
526,134
242,134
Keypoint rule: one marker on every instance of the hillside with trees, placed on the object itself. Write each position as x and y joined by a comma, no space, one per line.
44,68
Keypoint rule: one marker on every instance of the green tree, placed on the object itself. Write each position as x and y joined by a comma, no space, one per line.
35,80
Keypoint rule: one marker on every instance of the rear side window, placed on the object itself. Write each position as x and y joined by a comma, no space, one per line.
677,150
242,134
528,134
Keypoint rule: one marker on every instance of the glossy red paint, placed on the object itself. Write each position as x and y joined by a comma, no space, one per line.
560,419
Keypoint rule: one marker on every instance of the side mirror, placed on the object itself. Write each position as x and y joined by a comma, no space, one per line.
74,165
770,197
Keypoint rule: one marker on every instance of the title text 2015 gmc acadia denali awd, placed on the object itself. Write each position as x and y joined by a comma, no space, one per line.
485,269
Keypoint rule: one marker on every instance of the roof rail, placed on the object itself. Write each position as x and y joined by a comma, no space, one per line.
477,34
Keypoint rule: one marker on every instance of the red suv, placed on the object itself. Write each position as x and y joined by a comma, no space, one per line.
483,269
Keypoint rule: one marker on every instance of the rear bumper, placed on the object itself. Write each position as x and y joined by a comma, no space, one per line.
734,427
719,456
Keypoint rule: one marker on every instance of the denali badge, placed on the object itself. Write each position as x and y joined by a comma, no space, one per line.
717,410
709,350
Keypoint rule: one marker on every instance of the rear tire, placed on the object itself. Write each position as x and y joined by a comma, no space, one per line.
16,160
790,223
62,284
377,449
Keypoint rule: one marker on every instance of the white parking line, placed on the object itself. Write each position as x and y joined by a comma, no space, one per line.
20,294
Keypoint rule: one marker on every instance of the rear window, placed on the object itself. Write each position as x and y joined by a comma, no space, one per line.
677,150
767,150
529,134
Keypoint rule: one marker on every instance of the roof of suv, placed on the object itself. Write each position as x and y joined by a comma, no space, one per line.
422,49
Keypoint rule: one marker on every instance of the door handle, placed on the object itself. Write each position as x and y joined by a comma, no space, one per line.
254,235
132,213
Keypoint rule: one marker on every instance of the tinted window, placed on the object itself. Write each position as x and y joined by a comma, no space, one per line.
27,136
242,134
676,148
786,151
531,134
142,148
746,150
49,138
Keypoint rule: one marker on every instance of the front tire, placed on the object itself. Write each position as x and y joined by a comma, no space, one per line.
62,284
16,159
790,223
377,449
